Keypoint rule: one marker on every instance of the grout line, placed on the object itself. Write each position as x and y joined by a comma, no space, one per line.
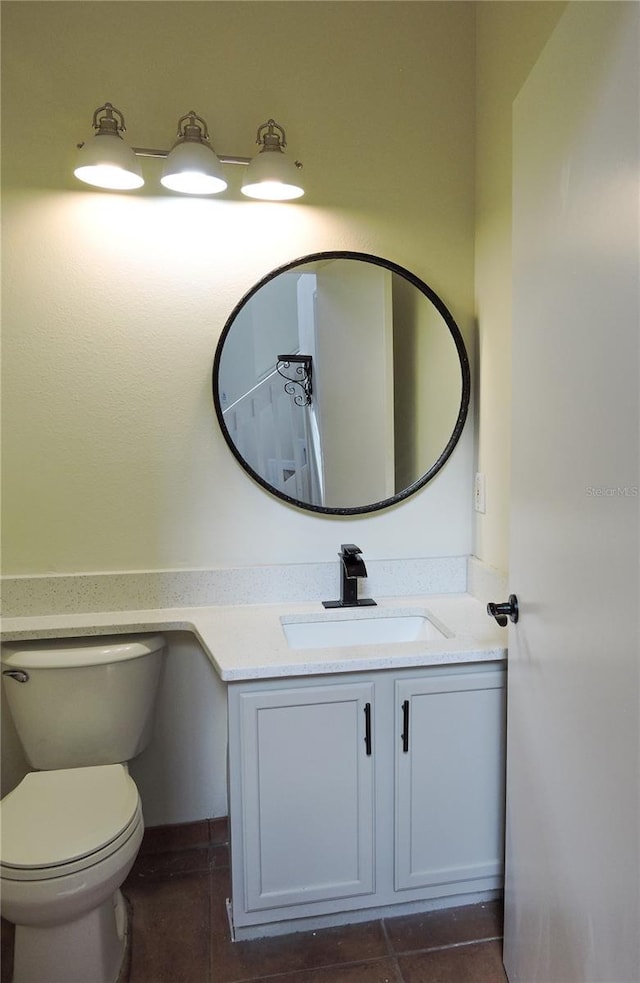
452,945
335,966
391,951
389,944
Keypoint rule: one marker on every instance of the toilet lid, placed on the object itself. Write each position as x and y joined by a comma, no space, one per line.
53,817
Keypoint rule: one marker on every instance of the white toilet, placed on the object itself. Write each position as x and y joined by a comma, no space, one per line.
71,830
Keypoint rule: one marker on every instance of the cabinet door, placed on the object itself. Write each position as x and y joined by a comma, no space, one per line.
307,794
450,780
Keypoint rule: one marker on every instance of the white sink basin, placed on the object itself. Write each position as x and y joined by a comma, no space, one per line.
379,630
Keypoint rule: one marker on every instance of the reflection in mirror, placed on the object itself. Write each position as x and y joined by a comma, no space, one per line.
341,383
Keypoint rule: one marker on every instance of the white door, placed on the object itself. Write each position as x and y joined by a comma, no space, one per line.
573,829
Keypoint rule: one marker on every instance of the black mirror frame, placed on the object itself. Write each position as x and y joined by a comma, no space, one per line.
464,369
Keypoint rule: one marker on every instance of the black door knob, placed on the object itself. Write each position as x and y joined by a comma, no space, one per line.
508,609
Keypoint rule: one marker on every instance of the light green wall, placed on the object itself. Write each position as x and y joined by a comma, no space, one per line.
509,38
113,304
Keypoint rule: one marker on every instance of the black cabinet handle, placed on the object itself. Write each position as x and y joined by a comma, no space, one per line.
509,609
367,727
405,726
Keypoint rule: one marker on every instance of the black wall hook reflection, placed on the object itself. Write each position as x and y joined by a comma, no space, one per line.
507,609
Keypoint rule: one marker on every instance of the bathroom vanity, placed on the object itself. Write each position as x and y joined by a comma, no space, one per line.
364,774
364,790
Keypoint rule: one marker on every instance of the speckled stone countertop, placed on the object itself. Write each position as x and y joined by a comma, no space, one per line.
245,642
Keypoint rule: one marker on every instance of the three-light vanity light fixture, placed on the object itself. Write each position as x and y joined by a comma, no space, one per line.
191,166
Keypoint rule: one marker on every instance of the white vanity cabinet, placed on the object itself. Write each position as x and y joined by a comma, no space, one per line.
364,790
449,779
302,793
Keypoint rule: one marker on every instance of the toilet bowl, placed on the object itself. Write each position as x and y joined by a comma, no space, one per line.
70,838
71,829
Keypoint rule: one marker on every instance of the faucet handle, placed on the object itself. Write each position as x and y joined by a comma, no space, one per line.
349,549
352,568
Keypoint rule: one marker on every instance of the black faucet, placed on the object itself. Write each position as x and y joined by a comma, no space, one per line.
352,569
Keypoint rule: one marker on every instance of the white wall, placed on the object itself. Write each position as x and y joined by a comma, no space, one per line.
113,304
182,774
509,38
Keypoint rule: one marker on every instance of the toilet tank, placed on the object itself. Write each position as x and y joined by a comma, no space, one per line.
83,701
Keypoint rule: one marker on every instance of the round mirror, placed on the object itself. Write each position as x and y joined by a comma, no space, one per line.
341,383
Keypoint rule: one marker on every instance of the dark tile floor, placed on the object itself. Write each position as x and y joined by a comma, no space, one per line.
176,893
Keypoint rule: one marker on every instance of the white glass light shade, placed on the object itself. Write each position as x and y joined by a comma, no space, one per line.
272,177
193,169
107,162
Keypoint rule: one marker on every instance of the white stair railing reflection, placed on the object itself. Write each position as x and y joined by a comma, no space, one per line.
273,435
